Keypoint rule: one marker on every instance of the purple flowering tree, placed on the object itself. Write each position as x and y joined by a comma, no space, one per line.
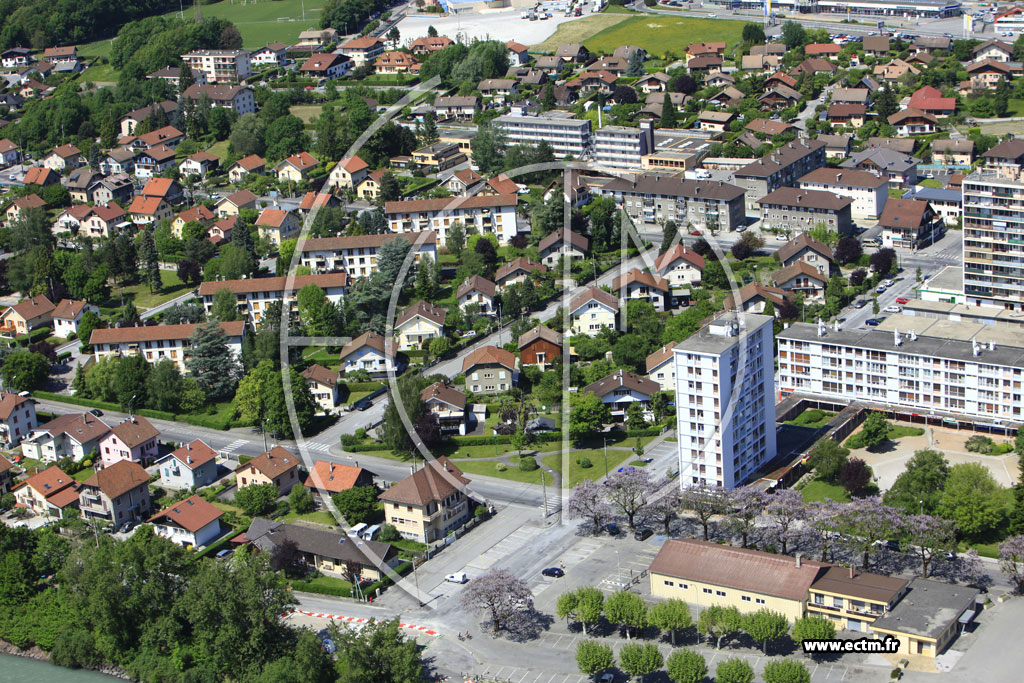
968,569
745,505
628,491
705,503
1011,561
499,594
865,521
665,509
785,509
588,502
929,537
821,526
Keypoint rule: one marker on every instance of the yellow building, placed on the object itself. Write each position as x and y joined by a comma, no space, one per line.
26,315
705,574
296,168
929,617
429,503
854,599
593,310
418,324
278,466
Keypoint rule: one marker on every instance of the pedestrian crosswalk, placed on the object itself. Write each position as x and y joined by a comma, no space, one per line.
233,446
552,505
316,446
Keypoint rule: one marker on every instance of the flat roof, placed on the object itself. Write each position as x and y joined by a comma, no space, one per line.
950,278
928,609
986,315
712,337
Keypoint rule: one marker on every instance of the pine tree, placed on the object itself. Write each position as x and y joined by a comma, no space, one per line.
148,255
547,99
185,78
428,132
669,115
425,279
668,233
211,363
635,65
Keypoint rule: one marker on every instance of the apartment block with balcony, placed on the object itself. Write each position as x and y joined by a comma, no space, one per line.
116,494
254,295
449,405
654,198
357,255
965,371
489,215
157,342
993,227
567,136
428,504
781,168
623,147
17,418
219,66
725,407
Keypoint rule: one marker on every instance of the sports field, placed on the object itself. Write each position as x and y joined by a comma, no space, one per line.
656,34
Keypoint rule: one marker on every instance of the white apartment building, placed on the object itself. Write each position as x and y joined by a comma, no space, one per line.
488,214
867,190
157,342
622,146
357,254
254,295
567,136
993,226
928,366
219,66
725,401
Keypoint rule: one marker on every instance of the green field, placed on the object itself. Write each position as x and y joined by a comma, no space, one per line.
140,295
579,30
818,491
659,34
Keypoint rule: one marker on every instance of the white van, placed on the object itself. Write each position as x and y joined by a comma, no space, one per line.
357,530
457,577
370,533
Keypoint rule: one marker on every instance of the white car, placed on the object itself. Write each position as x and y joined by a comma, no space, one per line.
889,283
893,309
457,577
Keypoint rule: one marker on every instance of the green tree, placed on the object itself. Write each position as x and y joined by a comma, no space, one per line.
488,147
765,626
358,505
131,381
590,605
669,113
813,628
753,34
256,500
626,609
670,615
250,396
786,671
456,241
565,607
225,306
635,65
827,458
300,499
377,651
317,313
593,657
24,371
720,623
212,364
164,386
639,660
587,415
687,666
875,429
972,499
918,488
734,670
793,35
669,231
390,190
150,260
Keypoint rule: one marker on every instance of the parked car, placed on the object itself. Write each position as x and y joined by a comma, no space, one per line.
553,572
903,300
893,309
873,322
612,528
889,283
363,404
696,233
881,288
642,534
457,577
861,303
97,412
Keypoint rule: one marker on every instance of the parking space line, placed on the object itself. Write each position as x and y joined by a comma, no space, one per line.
845,671
498,674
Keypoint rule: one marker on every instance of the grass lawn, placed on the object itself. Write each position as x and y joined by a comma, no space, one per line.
898,431
489,468
1016,108
83,474
596,456
816,419
99,73
264,21
219,149
226,507
140,295
307,112
409,545
581,29
819,490
318,516
223,412
931,182
660,34
482,451
329,582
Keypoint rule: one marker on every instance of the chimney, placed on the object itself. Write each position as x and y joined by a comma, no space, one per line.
332,467
445,465
798,560
188,459
851,573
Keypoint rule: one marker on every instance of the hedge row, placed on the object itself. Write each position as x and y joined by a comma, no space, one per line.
63,356
197,420
401,570
218,545
36,335
310,587
364,386
545,437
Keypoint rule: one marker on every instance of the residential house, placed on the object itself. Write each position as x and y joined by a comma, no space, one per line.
219,66
715,121
876,46
639,285
327,552
117,494
198,164
726,98
931,101
909,122
347,173
64,157
428,504
326,66
959,152
369,187
74,435
803,278
517,271
811,66
549,64
233,203
498,89
994,49
133,118
277,225
427,45
573,52
490,370
851,96
10,153
92,221
41,176
119,162
191,466
220,232
357,254
593,81
661,368
753,297
517,52
853,115
167,135
323,386
418,324
790,208
656,82
779,97
197,214
476,295
145,210
278,466
154,161
836,146
246,165
135,439
899,169
947,202
826,50
622,388
6,475
449,406
592,310
370,352
237,98
167,189
986,74
26,315
191,523
50,493
362,50
80,183
539,346
15,57
295,168
460,108
438,157
487,214
395,62
254,296
17,420
805,249
910,223
68,314
22,204
157,342
317,38
868,191
679,266
328,478
553,247
464,182
271,55
778,169
769,127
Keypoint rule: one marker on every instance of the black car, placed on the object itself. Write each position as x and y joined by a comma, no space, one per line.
861,303
553,572
873,322
363,404
97,412
642,534
612,528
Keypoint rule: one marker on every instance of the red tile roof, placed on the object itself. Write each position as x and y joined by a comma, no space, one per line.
333,477
272,463
118,479
487,355
191,514
194,454
436,481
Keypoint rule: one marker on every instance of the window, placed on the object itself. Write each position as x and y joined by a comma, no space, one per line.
706,591
720,594
669,583
745,598
758,601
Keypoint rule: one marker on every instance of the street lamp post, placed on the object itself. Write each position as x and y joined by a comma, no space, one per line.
605,439
130,402
264,423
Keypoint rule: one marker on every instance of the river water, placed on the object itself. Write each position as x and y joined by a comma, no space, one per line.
22,669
